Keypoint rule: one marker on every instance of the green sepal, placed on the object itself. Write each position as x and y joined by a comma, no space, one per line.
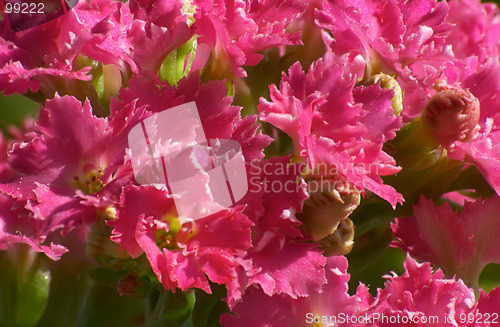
175,66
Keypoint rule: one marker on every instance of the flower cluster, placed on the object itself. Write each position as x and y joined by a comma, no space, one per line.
363,125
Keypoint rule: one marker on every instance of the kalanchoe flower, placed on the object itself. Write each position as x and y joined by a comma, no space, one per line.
419,294
412,298
399,38
234,32
161,13
333,123
219,118
484,150
90,52
44,58
18,225
259,309
182,256
490,303
135,45
281,260
71,164
475,29
461,243
452,115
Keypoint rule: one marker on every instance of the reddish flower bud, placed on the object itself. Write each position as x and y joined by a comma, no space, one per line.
127,285
452,115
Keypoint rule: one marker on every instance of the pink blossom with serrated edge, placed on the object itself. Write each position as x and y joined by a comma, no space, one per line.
330,120
18,225
236,31
40,56
166,13
63,171
476,29
219,118
281,260
489,303
102,30
259,309
461,243
483,150
136,44
395,37
421,293
205,248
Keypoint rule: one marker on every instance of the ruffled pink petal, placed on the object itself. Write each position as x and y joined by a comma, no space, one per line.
422,293
259,309
204,248
331,121
462,243
490,303
134,202
237,31
295,269
17,225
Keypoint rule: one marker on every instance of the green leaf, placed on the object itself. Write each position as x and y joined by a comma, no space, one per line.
14,108
167,309
24,287
106,276
368,247
490,277
209,307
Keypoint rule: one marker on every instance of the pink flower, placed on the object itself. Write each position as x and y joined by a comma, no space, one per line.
419,294
18,225
332,122
219,118
188,255
236,31
259,309
490,304
133,43
98,41
160,13
483,150
475,29
400,38
37,58
72,163
461,243
413,298
281,261
181,256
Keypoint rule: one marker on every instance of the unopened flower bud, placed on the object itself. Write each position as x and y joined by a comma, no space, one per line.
99,246
388,82
127,284
341,241
452,115
330,201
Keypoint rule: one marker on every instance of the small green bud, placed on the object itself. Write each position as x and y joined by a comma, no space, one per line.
24,286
